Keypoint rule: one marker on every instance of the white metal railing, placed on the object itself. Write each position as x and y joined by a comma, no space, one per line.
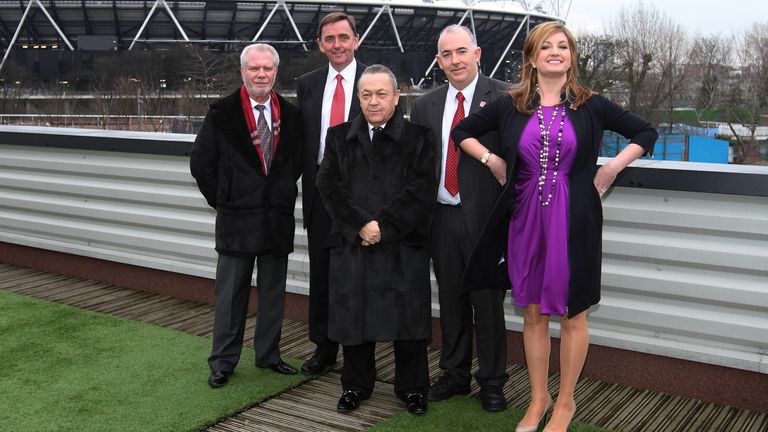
685,274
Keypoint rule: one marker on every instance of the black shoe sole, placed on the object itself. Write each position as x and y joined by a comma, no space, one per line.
432,398
494,408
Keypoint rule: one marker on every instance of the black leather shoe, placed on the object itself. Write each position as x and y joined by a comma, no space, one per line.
314,366
492,399
284,368
349,401
446,386
218,379
416,403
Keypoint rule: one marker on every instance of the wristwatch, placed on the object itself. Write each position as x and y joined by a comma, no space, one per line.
484,158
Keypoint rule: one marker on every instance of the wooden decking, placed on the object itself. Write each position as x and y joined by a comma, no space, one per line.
311,406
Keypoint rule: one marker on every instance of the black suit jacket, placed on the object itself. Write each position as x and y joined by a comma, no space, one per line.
309,95
479,189
254,211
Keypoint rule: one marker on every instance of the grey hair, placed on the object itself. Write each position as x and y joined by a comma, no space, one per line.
375,69
453,28
259,47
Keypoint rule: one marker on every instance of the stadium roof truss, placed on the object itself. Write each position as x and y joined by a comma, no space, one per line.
413,25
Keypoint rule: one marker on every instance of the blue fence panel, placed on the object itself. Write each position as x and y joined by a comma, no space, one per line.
675,147
703,149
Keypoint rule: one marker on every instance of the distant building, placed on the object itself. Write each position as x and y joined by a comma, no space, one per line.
57,37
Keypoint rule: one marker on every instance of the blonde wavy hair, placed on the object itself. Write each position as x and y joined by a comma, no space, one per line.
524,93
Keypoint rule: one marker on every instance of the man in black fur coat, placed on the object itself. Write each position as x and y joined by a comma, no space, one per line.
377,182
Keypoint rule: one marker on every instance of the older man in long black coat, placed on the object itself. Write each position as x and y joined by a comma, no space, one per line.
378,183
246,160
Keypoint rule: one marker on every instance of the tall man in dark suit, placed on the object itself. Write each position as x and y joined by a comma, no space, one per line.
246,160
326,97
466,194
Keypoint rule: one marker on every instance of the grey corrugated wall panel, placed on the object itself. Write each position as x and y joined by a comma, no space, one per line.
685,274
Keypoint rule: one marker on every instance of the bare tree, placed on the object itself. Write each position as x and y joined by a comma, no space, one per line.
707,71
202,78
597,67
748,94
671,86
104,80
11,85
647,43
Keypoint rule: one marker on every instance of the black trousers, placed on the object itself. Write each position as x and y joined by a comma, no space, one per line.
233,287
319,259
450,247
411,374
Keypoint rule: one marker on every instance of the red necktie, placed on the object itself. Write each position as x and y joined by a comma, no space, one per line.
452,157
337,105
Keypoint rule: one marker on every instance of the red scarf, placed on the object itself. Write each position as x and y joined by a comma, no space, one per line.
250,120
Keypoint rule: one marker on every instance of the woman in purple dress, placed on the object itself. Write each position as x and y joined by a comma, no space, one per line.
545,230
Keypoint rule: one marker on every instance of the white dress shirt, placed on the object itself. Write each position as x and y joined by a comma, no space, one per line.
451,103
267,111
370,130
348,82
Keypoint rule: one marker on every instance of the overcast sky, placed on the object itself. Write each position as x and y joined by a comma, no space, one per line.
702,16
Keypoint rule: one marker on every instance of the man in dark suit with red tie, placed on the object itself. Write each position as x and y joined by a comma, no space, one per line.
466,194
327,97
246,160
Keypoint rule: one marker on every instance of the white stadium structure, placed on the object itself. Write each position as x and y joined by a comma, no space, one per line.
399,33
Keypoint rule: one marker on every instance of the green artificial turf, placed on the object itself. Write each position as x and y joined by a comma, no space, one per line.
460,414
65,369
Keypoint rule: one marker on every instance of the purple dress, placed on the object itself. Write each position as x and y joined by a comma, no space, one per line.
538,234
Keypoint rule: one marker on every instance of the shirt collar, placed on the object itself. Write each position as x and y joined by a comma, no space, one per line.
468,91
370,128
267,103
348,73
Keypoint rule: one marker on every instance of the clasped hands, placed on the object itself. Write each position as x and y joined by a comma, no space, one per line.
370,233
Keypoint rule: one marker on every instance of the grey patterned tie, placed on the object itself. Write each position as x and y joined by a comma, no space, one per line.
265,136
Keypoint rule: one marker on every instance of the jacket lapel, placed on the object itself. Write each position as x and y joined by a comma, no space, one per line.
358,136
354,107
482,94
231,120
581,128
437,107
316,89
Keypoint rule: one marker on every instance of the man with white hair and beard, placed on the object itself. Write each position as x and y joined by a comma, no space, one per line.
246,160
